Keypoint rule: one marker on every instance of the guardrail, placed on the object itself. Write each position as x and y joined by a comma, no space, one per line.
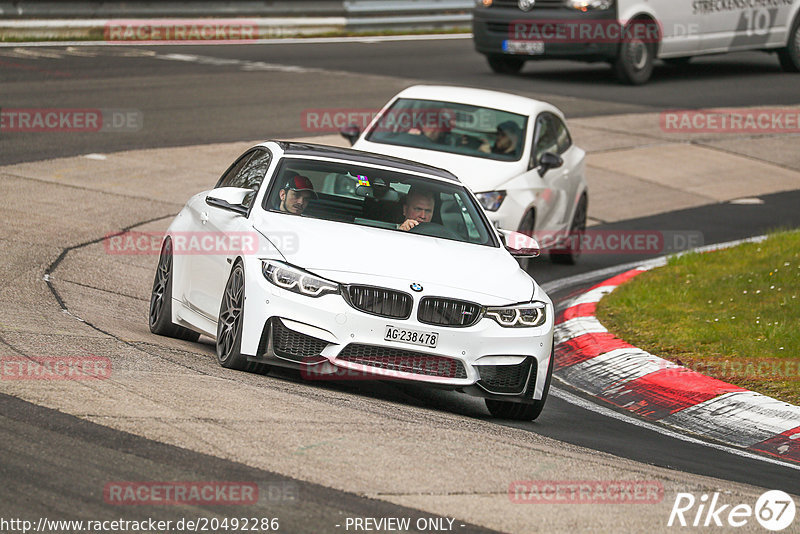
71,19
75,9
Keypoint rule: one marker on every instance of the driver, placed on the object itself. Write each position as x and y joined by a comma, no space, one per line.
417,208
295,194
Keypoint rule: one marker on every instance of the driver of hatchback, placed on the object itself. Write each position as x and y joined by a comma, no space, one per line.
417,208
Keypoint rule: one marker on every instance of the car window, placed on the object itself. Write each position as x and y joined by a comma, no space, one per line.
451,127
368,196
550,135
234,170
248,172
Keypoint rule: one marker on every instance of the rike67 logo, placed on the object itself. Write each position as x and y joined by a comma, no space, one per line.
774,510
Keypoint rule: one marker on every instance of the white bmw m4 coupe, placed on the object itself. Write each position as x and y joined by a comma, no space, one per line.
346,264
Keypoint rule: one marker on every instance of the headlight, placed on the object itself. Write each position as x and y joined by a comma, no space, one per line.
483,3
297,280
589,5
491,201
520,315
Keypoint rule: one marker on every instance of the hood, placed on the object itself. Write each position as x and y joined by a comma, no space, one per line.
478,174
348,253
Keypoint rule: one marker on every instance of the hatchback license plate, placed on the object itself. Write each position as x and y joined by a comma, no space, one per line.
529,48
403,335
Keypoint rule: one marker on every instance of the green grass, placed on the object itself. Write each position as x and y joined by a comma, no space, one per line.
732,314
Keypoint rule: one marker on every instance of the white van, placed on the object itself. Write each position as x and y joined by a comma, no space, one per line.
631,34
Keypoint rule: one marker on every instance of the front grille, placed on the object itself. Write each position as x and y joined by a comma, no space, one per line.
293,345
380,301
540,4
504,378
498,27
448,312
407,361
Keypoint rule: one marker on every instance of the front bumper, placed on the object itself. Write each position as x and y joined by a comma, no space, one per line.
327,338
491,27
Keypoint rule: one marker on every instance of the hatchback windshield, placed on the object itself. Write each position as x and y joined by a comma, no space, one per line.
450,127
379,198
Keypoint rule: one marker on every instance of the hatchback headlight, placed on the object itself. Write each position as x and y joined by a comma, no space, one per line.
519,315
491,201
590,5
293,279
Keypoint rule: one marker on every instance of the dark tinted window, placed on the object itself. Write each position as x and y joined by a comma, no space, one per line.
551,135
248,172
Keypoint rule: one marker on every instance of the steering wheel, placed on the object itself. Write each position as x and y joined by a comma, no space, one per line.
435,230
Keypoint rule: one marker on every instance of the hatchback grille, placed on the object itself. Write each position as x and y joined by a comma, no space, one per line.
448,312
380,301
293,345
406,361
505,378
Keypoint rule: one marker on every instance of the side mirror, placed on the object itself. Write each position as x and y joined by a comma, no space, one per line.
233,199
520,245
549,161
350,133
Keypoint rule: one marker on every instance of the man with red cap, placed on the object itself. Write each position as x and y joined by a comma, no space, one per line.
296,193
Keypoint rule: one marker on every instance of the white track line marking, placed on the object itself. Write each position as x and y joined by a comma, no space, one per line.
607,412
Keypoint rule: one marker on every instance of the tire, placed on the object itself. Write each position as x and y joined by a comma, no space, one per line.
160,319
569,256
790,55
527,227
229,324
634,64
518,411
505,65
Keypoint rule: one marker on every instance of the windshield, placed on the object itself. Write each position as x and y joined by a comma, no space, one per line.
368,196
450,127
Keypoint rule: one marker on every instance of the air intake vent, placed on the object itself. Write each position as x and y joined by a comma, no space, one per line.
293,345
505,379
380,301
406,361
448,312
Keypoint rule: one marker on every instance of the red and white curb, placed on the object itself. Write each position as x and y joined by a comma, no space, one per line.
591,359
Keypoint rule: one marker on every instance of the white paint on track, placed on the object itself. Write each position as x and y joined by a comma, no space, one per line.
607,412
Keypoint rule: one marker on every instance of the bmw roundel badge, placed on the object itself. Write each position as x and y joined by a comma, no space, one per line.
416,287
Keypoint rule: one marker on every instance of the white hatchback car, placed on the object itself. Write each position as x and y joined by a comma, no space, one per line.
533,183
303,256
